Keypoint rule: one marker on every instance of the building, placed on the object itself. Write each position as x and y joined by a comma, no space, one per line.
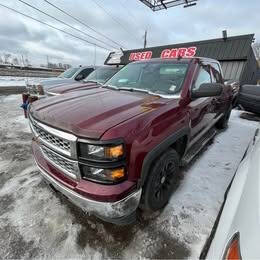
234,53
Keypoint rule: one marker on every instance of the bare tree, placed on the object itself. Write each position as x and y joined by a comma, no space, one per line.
15,61
7,56
256,48
27,62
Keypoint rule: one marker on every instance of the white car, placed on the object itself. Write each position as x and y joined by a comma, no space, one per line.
237,234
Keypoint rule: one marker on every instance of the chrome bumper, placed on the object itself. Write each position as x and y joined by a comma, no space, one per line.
51,94
107,210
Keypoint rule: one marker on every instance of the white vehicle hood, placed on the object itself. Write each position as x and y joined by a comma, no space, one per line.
46,83
241,212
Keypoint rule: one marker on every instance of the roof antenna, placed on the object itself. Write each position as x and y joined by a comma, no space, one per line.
224,35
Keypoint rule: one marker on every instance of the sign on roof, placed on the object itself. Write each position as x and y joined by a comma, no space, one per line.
168,53
231,48
165,54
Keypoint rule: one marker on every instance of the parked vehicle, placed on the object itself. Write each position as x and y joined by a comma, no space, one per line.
94,79
69,76
249,98
113,149
237,235
36,90
235,86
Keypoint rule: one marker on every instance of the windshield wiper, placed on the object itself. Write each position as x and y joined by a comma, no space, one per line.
110,87
94,81
134,89
139,90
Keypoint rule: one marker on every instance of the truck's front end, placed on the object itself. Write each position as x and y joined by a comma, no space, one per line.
92,174
87,168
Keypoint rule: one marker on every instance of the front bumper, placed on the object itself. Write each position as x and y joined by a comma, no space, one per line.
104,210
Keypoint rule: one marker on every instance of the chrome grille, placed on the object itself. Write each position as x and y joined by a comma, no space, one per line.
57,141
69,167
50,139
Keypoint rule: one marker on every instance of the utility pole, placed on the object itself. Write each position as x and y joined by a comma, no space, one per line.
47,61
145,39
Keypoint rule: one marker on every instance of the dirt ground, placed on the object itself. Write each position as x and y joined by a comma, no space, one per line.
36,222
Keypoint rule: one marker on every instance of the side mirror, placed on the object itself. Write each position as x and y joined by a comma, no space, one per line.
207,90
79,77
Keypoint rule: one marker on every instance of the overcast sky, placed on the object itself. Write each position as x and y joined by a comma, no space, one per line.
130,18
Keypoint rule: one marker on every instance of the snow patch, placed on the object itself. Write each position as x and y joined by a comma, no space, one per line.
59,231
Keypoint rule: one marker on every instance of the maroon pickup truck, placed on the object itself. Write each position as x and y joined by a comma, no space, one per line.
115,148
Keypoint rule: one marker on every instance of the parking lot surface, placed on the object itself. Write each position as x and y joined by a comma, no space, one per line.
36,222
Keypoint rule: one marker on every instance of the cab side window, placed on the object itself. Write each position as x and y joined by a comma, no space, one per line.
203,77
216,74
84,73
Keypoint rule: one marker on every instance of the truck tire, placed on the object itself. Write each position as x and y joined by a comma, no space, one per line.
159,185
223,122
249,98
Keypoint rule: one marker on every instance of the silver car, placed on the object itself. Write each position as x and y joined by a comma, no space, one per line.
39,87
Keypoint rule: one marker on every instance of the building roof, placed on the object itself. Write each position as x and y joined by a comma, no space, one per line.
231,48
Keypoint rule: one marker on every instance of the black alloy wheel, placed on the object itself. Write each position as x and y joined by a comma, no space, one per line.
161,181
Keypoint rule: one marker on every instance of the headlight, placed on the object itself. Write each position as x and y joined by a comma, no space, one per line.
101,152
103,175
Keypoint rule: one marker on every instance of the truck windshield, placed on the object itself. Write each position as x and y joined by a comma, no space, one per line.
68,73
101,75
157,77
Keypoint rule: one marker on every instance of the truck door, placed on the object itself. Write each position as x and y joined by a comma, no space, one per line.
201,110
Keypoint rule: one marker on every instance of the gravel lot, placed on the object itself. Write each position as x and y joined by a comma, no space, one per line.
36,222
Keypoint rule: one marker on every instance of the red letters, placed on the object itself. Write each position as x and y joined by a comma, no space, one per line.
180,52
165,54
191,52
131,56
173,53
145,55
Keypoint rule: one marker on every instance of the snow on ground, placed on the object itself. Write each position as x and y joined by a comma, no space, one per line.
10,81
35,222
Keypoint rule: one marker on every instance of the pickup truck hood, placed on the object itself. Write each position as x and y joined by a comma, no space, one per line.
65,88
91,113
54,81
48,81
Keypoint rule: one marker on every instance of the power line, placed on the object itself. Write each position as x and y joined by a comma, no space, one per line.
35,8
83,23
128,12
53,27
109,14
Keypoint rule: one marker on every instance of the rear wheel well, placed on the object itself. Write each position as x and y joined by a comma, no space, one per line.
180,145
